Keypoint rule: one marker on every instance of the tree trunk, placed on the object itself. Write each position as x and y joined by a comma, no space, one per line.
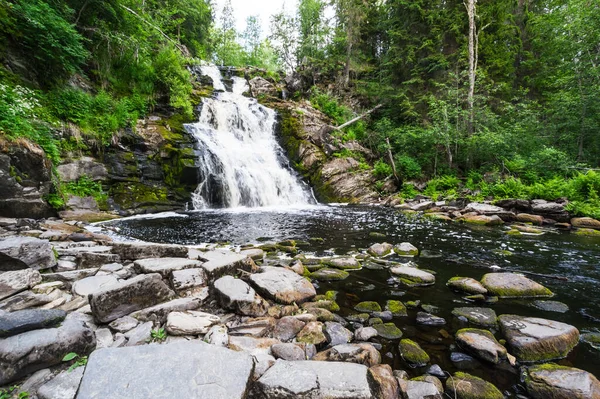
472,65
391,157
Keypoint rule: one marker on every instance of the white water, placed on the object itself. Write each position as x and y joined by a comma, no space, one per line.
241,163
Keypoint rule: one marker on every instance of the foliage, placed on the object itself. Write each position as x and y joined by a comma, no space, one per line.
174,79
158,335
78,361
382,170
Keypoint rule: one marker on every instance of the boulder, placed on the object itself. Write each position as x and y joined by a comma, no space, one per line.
217,335
533,219
128,296
327,274
26,320
483,317
70,276
560,382
383,382
380,250
34,350
365,333
312,333
467,285
406,249
237,295
412,353
283,286
13,282
253,345
586,223
188,282
397,308
135,251
139,335
63,386
367,307
551,306
513,285
256,326
203,372
419,390
482,344
532,339
259,86
84,166
466,386
480,220
337,334
427,319
288,351
190,322
220,263
24,300
90,285
87,260
164,266
388,330
287,327
412,276
313,380
344,263
19,252
124,324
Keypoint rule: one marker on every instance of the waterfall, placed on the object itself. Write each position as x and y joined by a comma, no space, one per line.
241,163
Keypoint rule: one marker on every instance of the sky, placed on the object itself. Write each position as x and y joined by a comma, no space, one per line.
263,8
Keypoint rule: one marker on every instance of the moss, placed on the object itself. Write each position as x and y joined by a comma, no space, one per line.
513,232
330,305
327,274
287,243
331,295
466,386
412,353
130,195
359,317
368,306
388,331
587,232
375,320
396,307
412,304
376,234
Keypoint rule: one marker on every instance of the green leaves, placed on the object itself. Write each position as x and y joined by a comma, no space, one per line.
70,356
79,360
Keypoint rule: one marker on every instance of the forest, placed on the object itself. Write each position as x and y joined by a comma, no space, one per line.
493,98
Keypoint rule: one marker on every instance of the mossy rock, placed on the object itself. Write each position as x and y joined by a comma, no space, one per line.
388,331
314,267
358,318
412,276
287,243
406,249
483,317
396,307
412,353
467,285
513,285
412,304
330,305
375,320
269,248
345,263
481,343
376,234
560,382
327,274
593,339
321,314
587,232
368,307
514,232
467,386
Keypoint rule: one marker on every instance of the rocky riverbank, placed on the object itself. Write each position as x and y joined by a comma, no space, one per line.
84,316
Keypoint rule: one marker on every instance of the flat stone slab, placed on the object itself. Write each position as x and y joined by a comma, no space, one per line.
483,317
532,339
90,285
158,313
513,285
551,306
135,251
190,322
560,382
164,266
188,280
219,263
191,369
412,276
13,282
313,380
63,386
21,252
31,319
237,295
282,285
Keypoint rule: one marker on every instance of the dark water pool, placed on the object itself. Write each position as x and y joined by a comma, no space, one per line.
460,250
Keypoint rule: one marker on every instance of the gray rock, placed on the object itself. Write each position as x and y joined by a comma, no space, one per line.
253,253
139,335
283,286
513,285
436,371
484,317
551,306
135,251
63,386
203,372
220,263
412,276
27,320
336,334
482,344
365,333
464,385
189,281
288,351
158,314
428,319
262,362
88,260
287,328
24,300
190,322
253,345
36,380
34,350
128,296
217,335
343,263
560,382
406,249
466,284
420,390
19,252
164,266
379,250
124,324
111,267
90,285
462,361
314,380
104,338
65,266
12,282
383,382
70,276
237,295
361,353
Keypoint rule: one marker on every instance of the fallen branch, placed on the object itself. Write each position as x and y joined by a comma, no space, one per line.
357,118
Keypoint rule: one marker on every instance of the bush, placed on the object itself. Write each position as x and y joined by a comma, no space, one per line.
329,106
509,188
382,170
550,190
408,167
173,79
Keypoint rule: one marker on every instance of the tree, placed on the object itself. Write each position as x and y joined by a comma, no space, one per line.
284,38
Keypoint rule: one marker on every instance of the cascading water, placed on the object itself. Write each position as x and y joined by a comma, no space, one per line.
241,163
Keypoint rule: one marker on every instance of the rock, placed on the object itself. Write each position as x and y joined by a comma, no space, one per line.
283,286
190,322
203,372
420,390
383,382
428,319
388,331
531,339
481,220
406,249
135,251
84,166
158,314
314,380
261,87
88,260
481,343
412,353
346,263
164,266
368,307
217,335
365,333
139,335
13,282
26,320
436,371
188,282
527,218
287,327
312,333
253,345
34,350
483,317
560,382
256,327
253,253
466,386
337,334
330,305
90,285
237,295
327,274
592,338
19,252
24,300
36,380
586,223
467,285
551,306
380,250
104,338
70,276
63,386
220,263
412,276
128,296
288,351
462,361
47,288
124,324
513,285
65,266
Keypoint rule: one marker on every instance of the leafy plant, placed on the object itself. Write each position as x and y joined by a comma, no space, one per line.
158,335
78,361
382,169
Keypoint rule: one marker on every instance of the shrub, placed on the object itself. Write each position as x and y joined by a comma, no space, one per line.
173,79
408,167
550,189
329,106
382,170
509,188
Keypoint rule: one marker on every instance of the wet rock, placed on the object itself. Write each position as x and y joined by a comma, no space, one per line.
384,316
63,386
436,371
124,324
191,322
347,263
288,351
365,333
560,382
428,319
388,331
26,320
135,251
551,306
419,390
220,263
19,252
34,350
314,380
467,285
412,276
383,382
483,317
139,335
380,250
13,282
462,361
481,343
337,334
217,335
531,339
283,286
128,296
203,371
158,313
312,333
406,249
528,218
361,318
164,266
586,223
397,308
361,353
237,295
368,307
412,353
327,274
188,282
24,300
480,220
593,339
513,285
90,285
466,386
287,327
